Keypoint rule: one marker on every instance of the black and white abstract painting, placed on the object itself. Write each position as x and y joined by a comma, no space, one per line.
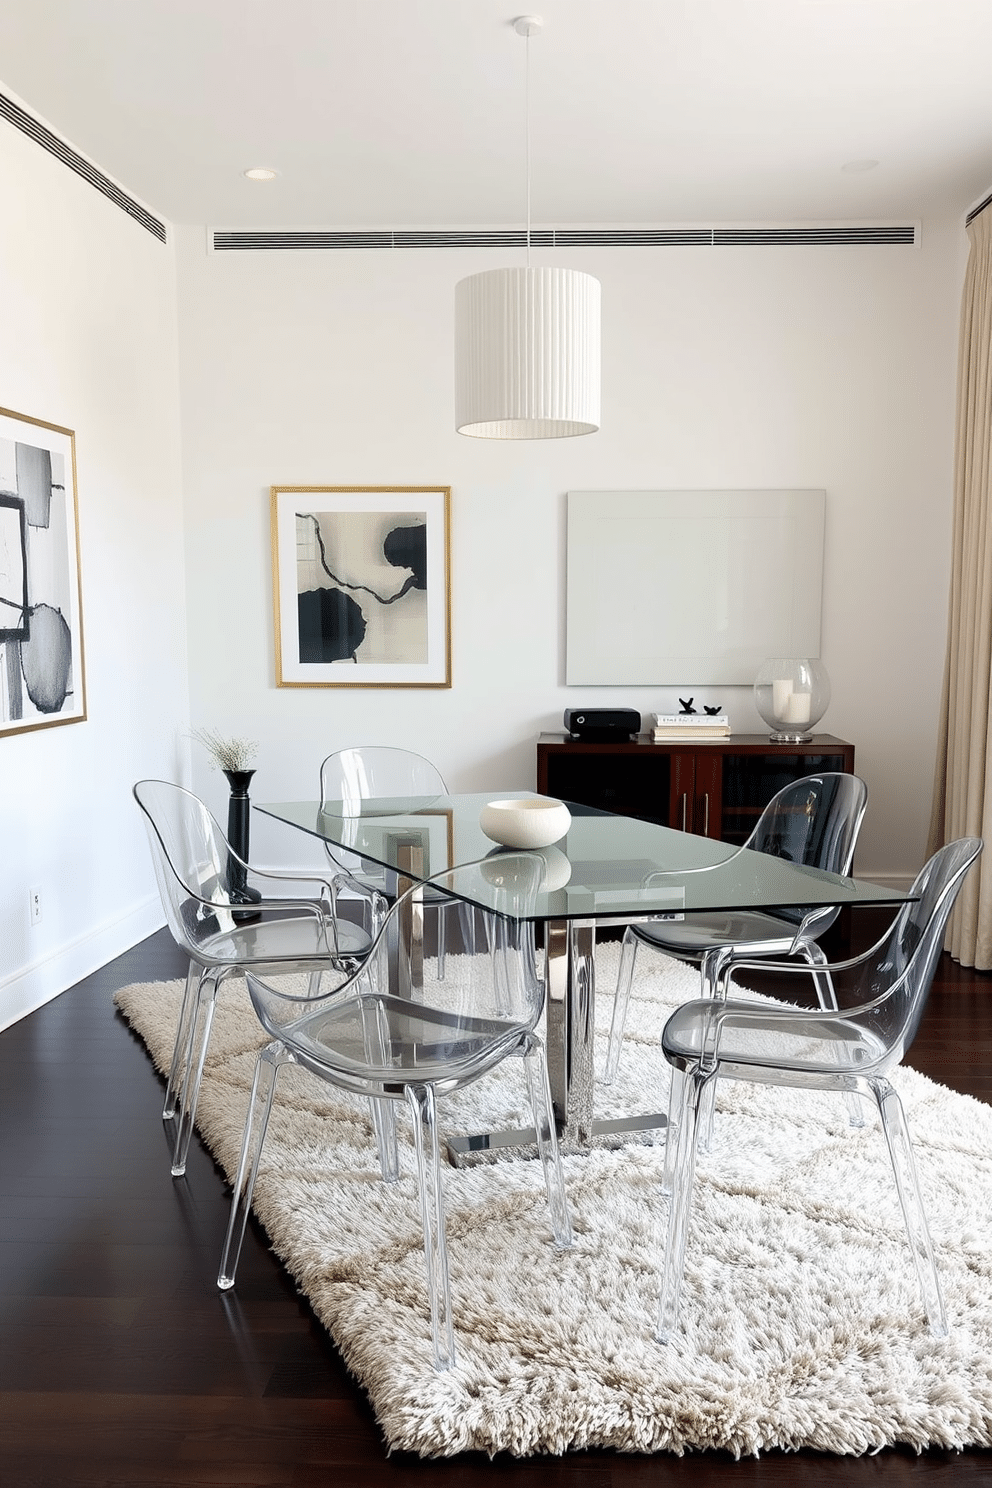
41,640
361,586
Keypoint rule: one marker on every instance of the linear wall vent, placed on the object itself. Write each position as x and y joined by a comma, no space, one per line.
30,126
270,240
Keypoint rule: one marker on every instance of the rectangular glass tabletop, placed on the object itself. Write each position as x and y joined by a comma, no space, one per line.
605,867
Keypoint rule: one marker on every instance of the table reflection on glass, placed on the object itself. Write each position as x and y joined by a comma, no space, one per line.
605,869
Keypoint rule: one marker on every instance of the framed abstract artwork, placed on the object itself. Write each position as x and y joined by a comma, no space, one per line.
41,626
361,586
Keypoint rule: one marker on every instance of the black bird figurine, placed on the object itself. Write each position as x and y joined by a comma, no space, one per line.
687,705
711,711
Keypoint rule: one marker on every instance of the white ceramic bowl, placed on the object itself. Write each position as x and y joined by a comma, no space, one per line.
533,821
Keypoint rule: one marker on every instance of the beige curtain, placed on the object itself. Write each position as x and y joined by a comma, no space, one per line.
962,797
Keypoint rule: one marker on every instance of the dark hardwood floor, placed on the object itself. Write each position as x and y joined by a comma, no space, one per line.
122,1365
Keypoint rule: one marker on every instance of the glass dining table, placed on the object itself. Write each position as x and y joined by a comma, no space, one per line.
607,869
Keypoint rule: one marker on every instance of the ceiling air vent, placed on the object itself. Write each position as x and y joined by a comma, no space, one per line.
30,126
816,235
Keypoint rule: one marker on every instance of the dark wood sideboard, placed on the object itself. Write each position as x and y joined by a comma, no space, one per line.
716,788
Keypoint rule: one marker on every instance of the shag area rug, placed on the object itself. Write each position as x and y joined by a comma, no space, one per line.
802,1323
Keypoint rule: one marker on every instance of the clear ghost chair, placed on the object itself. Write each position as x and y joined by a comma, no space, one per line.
851,1050
366,1034
350,777
293,927
814,821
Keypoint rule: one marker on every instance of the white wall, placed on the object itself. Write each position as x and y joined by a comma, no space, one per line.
729,367
88,341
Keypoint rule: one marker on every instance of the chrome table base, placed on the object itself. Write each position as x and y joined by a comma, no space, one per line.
570,1009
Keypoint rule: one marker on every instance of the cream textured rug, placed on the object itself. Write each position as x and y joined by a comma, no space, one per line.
802,1321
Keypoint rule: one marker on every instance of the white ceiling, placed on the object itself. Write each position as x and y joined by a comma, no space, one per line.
410,113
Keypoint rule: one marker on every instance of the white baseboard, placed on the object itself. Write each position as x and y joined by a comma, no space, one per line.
52,974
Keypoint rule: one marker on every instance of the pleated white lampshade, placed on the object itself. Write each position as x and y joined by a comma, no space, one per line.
527,354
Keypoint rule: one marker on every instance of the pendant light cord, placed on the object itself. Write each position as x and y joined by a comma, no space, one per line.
526,26
527,132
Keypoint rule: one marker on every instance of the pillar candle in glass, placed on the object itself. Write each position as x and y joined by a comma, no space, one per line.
792,694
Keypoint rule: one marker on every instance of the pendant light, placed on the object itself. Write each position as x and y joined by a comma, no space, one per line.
527,341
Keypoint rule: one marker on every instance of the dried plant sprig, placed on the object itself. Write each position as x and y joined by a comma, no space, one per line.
228,754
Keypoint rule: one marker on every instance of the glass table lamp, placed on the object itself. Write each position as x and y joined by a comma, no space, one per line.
792,694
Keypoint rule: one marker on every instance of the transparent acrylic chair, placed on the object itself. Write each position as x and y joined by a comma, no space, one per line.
849,1050
357,1033
814,821
351,776
294,927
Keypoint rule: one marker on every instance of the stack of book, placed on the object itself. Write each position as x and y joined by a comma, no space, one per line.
669,726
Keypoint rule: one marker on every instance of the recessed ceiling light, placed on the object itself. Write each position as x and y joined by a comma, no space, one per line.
261,173
855,167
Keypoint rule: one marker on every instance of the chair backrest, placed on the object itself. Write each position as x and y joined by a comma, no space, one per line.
895,978
814,821
362,1031
353,775
192,861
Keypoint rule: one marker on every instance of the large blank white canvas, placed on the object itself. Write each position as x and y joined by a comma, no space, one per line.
690,587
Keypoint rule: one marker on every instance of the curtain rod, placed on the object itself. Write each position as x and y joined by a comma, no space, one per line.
977,211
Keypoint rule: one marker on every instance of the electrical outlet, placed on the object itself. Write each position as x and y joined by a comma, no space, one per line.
34,903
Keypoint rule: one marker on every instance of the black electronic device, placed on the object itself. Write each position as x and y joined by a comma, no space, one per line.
602,725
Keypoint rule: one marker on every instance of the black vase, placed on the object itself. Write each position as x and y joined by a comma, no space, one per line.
237,836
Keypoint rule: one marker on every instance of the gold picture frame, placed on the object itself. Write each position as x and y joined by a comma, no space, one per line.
361,585
42,675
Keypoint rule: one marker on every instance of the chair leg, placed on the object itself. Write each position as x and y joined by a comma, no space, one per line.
908,1185
179,1052
466,927
503,953
441,922
676,1095
814,956
375,1031
423,1105
712,984
502,945
387,1145
625,977
688,1091
267,1068
201,1018
539,1091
